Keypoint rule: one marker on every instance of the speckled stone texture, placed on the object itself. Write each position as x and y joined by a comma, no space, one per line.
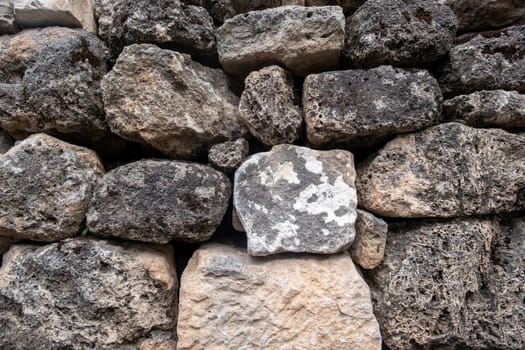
45,187
301,39
229,300
87,294
368,247
360,108
221,10
159,201
448,170
294,199
229,155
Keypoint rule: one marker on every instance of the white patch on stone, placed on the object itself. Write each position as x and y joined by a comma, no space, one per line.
205,191
379,104
285,172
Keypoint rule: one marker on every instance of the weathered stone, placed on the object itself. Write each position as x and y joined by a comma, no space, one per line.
475,15
488,61
7,18
159,201
399,32
445,171
295,199
267,106
170,23
368,248
356,108
498,108
229,300
86,294
163,98
452,285
348,6
6,141
43,13
45,186
301,39
50,82
221,10
229,155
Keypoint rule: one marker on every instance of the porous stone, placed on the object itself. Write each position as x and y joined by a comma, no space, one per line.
497,108
50,82
229,155
445,171
268,106
348,6
45,186
86,294
301,39
360,108
7,18
368,247
452,285
488,61
159,201
6,141
221,10
64,13
399,32
170,23
475,15
163,98
295,199
293,302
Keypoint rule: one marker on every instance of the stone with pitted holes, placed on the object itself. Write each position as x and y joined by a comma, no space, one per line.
301,39
360,108
488,61
230,300
295,199
45,187
368,247
399,32
229,155
445,171
164,99
6,141
7,18
221,10
87,294
159,201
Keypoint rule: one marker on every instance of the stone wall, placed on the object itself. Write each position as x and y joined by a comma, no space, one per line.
262,174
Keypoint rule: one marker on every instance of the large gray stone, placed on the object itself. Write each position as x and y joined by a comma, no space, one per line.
164,99
452,285
7,18
357,108
268,106
230,300
301,39
368,247
445,171
159,201
488,61
45,187
50,82
399,32
497,108
294,199
6,141
87,294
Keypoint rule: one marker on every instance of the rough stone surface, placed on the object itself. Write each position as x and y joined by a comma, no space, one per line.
50,82
163,22
399,32
159,201
63,13
163,98
452,285
303,40
7,18
268,106
368,248
445,171
497,108
475,15
356,108
489,61
296,199
221,10
229,155
86,294
348,6
45,186
229,300
6,141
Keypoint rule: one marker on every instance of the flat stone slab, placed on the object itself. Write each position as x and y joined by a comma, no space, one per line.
295,199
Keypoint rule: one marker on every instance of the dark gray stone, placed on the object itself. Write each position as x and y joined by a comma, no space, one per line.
229,155
349,6
221,10
360,108
6,141
7,18
294,199
159,201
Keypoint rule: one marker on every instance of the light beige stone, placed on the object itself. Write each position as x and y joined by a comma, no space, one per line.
368,248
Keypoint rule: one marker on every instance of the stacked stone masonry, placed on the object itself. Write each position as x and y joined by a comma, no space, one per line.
267,174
